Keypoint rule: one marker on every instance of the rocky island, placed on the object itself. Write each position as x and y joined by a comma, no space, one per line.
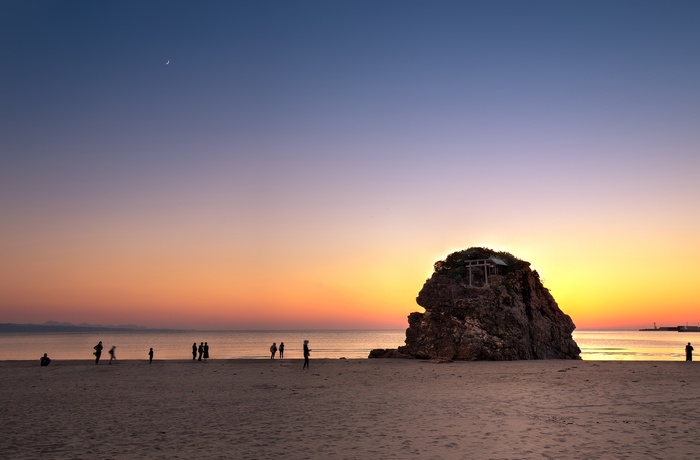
486,305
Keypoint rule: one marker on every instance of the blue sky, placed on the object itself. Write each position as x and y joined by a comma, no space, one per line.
355,132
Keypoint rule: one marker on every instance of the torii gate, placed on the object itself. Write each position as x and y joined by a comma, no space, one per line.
488,265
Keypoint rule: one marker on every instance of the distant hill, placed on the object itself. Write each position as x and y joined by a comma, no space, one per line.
53,326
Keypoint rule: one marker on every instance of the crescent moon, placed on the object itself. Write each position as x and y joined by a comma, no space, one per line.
167,62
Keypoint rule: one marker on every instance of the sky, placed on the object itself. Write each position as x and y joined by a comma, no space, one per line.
302,165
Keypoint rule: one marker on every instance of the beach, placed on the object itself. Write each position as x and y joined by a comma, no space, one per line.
350,409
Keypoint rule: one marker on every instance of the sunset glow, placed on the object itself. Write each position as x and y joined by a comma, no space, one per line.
304,165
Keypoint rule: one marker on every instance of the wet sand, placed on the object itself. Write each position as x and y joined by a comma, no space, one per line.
350,409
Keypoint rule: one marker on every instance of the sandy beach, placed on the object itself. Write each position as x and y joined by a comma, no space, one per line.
351,409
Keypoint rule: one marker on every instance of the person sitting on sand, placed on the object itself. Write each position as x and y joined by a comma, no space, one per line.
273,350
45,360
689,352
98,352
112,354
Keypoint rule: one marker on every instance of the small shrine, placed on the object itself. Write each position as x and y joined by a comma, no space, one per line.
480,270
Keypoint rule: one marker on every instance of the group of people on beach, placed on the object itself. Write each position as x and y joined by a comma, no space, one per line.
273,350
98,353
202,350
113,353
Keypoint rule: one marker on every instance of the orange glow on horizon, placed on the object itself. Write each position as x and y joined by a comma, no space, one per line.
207,287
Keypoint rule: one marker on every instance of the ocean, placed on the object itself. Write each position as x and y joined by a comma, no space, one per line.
595,345
634,345
178,345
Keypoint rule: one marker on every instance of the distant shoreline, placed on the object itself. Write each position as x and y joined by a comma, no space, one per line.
673,329
12,327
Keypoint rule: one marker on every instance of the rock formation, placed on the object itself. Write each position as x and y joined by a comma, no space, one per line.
486,305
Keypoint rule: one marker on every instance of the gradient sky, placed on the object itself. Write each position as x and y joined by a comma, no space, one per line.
304,164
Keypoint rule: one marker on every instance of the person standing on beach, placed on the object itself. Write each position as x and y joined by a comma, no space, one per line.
150,356
194,351
112,354
45,360
281,350
273,350
98,352
206,351
689,352
306,354
200,350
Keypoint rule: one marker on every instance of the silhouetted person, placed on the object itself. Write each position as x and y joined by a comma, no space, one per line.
150,356
200,350
273,350
206,351
306,354
281,350
689,352
112,354
194,351
45,360
98,352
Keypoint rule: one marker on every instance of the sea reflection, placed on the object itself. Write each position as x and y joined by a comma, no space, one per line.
633,345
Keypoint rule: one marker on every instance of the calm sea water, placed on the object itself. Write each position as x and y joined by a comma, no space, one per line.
595,345
178,345
635,345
